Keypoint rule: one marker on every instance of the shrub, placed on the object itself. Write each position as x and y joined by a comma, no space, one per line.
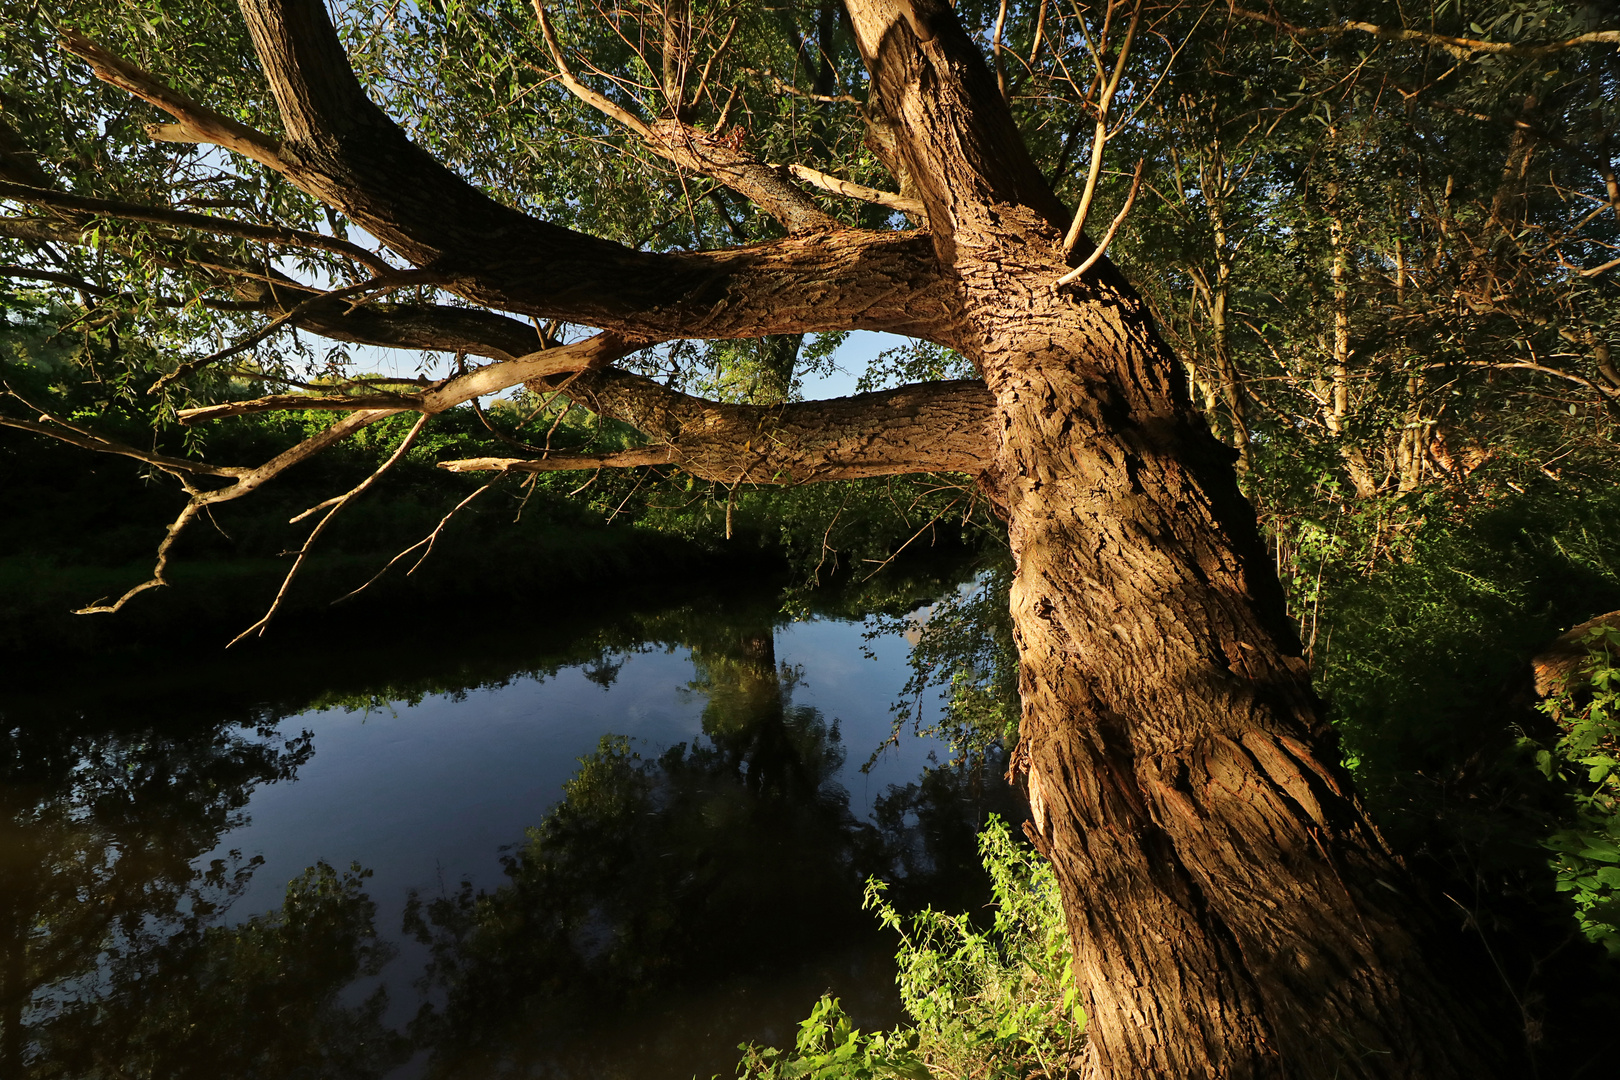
990,1004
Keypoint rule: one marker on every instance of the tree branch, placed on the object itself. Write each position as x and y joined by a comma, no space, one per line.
709,153
434,327
341,148
851,190
1460,48
586,355
195,123
336,506
274,234
927,427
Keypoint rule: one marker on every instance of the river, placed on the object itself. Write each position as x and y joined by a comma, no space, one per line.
616,840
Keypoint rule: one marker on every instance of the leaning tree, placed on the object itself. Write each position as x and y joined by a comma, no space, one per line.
1233,910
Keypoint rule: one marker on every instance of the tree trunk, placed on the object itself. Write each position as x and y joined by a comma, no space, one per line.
1233,911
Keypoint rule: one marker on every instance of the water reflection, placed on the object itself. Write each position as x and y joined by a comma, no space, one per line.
736,855
675,902
99,897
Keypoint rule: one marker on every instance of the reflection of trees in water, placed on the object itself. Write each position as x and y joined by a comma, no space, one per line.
733,861
670,895
111,960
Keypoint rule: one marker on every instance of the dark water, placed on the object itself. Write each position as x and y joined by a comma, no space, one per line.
611,843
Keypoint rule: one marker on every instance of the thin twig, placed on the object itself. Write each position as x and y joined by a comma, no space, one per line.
1099,142
930,523
338,504
1119,219
428,540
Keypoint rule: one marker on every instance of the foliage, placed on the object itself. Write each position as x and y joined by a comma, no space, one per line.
1000,1002
1587,758
963,645
262,998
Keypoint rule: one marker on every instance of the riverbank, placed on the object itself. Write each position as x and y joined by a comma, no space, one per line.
209,601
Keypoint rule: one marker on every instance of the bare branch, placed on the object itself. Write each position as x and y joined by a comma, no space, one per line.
565,74
619,459
195,123
1101,136
709,153
851,190
395,279
1461,48
275,234
429,540
157,580
1594,271
1526,365
594,352
337,506
1119,219
64,431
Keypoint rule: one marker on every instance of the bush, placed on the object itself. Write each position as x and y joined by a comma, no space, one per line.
985,1004
1587,757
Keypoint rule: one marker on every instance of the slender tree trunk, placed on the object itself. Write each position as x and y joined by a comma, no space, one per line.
1338,409
1220,329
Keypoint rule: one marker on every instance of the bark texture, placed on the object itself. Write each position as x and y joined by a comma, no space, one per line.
931,427
343,149
1234,912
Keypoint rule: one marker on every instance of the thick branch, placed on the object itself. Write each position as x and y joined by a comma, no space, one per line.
196,123
434,327
341,148
716,156
928,427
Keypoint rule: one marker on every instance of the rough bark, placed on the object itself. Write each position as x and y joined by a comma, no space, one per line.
343,149
1234,912
930,427
1562,665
